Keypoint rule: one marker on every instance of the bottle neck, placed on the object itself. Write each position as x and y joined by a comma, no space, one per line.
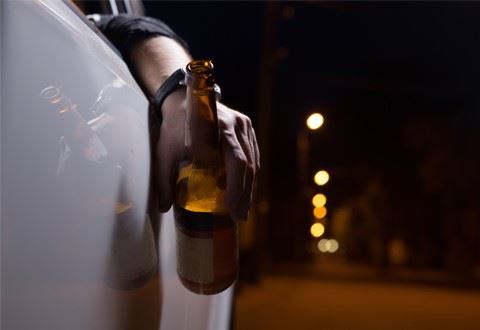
202,138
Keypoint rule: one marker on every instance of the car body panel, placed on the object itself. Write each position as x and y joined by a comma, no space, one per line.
64,195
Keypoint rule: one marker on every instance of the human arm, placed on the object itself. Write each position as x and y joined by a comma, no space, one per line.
152,58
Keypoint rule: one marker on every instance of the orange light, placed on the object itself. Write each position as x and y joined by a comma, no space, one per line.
319,200
317,230
320,212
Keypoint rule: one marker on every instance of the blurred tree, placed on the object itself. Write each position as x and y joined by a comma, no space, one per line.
448,167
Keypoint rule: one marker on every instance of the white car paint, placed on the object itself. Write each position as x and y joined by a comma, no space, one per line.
60,232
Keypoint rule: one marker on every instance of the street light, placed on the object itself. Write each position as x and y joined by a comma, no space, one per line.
321,178
333,246
328,245
315,121
317,229
320,212
324,245
319,200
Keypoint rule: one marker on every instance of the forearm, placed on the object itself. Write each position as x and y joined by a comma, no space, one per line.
154,59
152,50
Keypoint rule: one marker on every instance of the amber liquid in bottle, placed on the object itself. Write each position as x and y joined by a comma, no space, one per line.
207,252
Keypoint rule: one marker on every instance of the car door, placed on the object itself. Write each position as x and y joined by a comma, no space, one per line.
82,244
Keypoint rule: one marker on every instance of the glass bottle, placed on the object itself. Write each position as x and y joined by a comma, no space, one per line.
207,252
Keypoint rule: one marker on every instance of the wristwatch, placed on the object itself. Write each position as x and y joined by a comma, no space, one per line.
174,82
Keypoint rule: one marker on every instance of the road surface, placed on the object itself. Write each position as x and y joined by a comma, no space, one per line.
308,303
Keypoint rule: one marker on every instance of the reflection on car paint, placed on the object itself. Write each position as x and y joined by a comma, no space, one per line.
74,223
79,137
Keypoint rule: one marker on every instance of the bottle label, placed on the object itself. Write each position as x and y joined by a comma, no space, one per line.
195,258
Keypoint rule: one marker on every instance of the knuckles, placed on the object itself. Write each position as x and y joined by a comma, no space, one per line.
231,119
240,159
231,123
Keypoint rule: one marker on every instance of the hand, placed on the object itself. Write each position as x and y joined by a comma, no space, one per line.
238,144
153,60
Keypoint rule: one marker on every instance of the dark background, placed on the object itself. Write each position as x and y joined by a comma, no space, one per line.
397,84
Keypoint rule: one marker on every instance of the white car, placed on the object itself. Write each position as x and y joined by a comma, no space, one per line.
78,221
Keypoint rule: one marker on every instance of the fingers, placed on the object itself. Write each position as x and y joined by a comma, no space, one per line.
241,213
244,135
242,130
239,148
240,151
253,142
235,166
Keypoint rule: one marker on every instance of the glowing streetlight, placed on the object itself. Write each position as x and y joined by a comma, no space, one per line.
328,245
320,212
314,121
319,200
321,178
317,230
333,246
323,245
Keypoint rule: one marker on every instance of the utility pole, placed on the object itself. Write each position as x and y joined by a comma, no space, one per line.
267,73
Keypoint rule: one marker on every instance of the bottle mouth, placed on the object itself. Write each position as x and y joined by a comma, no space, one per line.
200,67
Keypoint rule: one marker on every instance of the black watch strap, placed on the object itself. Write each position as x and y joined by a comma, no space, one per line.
174,82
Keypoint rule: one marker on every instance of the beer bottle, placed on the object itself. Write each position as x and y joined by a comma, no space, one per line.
206,235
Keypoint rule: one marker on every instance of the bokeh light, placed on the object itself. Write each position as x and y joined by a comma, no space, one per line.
321,177
320,212
315,121
333,246
317,229
328,245
319,200
323,245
